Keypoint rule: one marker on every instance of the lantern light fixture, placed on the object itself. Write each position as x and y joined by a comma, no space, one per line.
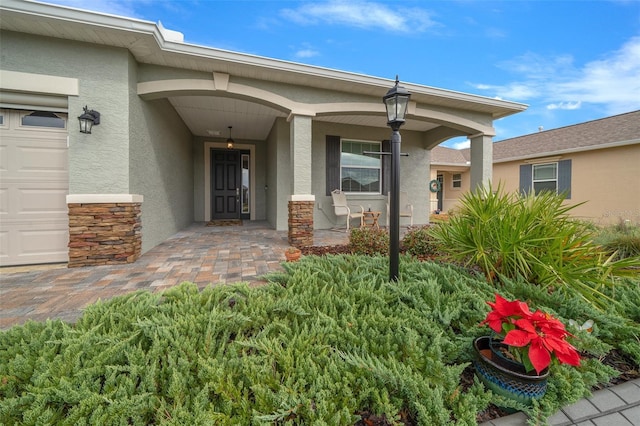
230,141
396,101
88,119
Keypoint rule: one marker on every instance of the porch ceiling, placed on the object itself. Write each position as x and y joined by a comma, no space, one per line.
210,116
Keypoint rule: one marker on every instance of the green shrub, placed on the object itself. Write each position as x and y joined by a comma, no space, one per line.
531,237
418,242
331,340
621,240
370,241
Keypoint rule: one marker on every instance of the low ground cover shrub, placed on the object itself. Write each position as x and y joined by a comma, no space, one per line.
326,341
370,241
532,238
419,242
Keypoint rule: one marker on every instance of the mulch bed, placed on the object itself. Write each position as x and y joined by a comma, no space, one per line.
627,368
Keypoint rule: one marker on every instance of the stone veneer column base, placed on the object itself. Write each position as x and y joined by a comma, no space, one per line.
104,229
301,223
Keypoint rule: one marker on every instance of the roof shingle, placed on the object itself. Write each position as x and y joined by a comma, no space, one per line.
620,128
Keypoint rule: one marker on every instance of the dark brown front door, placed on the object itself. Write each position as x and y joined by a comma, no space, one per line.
226,184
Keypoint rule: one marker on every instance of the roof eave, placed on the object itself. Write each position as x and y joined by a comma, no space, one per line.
569,151
347,81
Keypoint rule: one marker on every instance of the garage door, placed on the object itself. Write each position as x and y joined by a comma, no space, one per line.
34,182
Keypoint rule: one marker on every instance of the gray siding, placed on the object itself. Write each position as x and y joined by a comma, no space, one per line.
98,163
161,169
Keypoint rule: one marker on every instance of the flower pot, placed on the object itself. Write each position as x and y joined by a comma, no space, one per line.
292,256
504,376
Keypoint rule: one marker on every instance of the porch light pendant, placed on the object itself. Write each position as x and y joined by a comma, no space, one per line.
88,119
396,101
230,141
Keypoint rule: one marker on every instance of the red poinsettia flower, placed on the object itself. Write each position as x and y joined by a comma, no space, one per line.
503,312
539,334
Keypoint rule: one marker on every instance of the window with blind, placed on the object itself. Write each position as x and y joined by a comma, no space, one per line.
359,172
547,176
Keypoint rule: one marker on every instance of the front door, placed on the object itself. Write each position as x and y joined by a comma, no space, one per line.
226,184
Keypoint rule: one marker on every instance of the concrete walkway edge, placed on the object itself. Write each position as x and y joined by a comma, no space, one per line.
615,406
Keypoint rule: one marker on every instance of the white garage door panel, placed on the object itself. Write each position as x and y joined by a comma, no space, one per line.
28,160
34,183
42,160
4,160
4,203
46,240
42,202
4,247
41,243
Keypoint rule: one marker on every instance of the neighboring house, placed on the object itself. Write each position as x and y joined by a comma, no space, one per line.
159,159
596,163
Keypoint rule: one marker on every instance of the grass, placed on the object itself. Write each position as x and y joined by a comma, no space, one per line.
325,342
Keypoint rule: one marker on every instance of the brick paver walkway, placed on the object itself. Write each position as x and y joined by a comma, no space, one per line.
199,254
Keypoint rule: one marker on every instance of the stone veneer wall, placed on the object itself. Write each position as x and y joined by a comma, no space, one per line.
301,223
104,233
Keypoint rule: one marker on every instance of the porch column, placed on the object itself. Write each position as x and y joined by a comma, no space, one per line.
301,201
481,160
104,229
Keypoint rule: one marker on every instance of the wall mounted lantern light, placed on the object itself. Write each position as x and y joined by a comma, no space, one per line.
395,101
230,141
88,119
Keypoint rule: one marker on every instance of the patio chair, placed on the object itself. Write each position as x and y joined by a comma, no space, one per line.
342,209
406,209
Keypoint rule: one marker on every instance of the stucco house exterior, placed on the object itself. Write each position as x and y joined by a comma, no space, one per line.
158,160
596,163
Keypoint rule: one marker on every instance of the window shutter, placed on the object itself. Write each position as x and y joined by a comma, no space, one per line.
526,178
564,178
333,163
386,167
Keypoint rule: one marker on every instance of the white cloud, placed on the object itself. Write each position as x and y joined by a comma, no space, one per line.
361,14
306,53
462,145
612,81
565,105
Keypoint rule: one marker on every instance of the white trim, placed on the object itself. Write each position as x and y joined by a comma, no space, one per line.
221,81
38,83
103,198
207,175
302,197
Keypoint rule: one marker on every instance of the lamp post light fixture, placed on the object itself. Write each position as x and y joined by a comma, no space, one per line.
395,101
88,119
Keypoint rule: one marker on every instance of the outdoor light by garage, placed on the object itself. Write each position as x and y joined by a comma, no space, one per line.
395,101
88,119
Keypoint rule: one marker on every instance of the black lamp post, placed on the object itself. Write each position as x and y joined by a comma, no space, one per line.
396,101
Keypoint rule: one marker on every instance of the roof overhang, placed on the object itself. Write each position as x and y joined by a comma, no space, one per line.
150,43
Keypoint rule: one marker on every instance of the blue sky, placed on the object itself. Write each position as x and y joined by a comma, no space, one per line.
570,61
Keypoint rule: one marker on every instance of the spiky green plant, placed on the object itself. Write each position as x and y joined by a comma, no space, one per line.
533,238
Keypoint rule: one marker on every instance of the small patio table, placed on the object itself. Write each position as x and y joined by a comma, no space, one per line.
370,219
